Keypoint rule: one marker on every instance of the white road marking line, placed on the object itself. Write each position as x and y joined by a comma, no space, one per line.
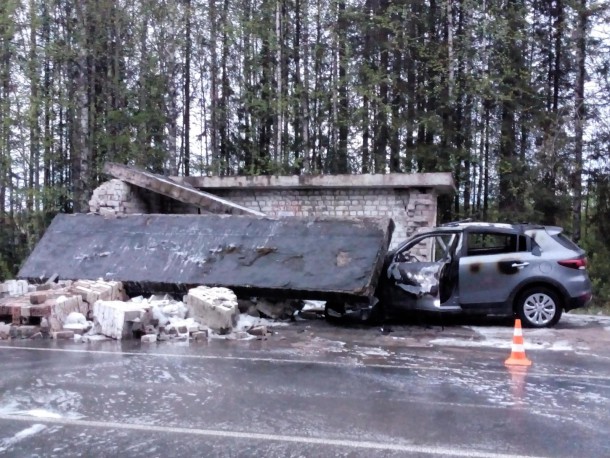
370,445
307,362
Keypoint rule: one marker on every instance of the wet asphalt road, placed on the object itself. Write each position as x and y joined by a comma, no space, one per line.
311,389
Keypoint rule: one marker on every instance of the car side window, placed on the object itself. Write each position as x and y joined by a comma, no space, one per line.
488,243
427,249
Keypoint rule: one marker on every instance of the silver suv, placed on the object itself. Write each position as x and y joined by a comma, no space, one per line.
532,271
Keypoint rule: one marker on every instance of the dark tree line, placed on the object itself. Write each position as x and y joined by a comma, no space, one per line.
510,96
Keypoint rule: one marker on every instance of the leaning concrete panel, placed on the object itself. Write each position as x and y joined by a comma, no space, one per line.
292,257
182,192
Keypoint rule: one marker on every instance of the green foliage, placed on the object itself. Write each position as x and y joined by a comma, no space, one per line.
599,269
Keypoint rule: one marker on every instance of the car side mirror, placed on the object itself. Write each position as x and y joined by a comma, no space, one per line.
536,251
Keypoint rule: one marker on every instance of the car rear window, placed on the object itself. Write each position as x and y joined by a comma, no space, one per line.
565,241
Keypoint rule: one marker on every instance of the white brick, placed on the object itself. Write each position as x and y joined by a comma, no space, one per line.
62,307
114,318
215,308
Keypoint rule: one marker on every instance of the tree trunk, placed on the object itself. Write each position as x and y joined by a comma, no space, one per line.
343,115
304,95
279,103
213,76
510,170
579,119
381,122
225,103
34,113
186,118
79,103
397,91
6,36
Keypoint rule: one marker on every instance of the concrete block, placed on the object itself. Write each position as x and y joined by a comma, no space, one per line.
42,310
93,291
77,322
38,298
16,316
94,338
149,338
22,287
5,331
259,331
61,307
192,328
216,308
114,318
182,328
200,336
61,335
12,288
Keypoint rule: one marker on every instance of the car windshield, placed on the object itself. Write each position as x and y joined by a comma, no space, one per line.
430,248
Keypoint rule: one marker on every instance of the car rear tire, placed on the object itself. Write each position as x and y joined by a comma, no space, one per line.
539,307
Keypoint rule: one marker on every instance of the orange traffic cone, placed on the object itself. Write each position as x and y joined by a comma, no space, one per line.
517,356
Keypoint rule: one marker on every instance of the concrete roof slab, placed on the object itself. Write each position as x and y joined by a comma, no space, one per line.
442,182
290,257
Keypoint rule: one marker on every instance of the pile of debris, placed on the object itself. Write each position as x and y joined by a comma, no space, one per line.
88,310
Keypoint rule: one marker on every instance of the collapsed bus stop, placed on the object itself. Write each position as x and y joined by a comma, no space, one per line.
299,237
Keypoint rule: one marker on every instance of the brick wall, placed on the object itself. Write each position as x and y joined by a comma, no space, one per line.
116,197
411,209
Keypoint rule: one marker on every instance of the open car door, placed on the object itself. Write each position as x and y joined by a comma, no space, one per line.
420,273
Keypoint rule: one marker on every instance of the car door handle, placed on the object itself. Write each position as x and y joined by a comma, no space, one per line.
518,265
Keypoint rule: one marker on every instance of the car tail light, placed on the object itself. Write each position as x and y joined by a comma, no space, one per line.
578,263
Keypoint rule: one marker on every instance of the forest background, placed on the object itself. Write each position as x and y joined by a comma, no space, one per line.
512,97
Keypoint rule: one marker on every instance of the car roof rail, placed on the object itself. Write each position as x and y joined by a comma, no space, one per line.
457,223
533,225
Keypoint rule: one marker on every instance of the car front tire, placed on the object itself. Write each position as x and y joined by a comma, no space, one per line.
539,307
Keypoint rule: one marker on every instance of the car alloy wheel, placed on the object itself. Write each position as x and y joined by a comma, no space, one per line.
539,307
